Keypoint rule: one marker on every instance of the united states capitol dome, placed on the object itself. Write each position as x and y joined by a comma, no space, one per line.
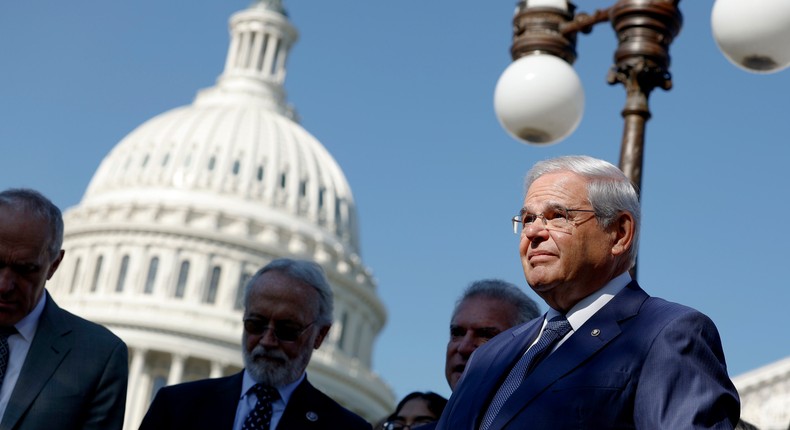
186,207
237,156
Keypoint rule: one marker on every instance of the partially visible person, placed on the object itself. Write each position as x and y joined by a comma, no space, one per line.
379,425
416,409
486,308
745,425
606,354
287,314
57,370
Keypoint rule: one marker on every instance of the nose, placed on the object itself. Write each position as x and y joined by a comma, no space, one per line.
268,338
467,345
535,230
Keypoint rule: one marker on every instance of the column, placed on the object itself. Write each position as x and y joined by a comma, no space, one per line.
135,409
269,53
258,37
176,373
243,61
233,51
216,369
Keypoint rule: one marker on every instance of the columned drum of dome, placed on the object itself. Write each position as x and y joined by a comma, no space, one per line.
190,204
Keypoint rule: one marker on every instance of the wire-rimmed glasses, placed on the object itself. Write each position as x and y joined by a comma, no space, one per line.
554,219
398,425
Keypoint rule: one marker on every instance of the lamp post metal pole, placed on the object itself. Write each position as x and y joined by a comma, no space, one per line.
645,29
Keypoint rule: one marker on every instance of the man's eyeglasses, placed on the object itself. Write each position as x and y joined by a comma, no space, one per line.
283,331
555,219
398,425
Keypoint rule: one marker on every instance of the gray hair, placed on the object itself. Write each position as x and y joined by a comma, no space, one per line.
33,203
305,271
610,192
526,308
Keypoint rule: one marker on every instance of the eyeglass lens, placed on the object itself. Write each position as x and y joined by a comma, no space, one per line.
551,220
286,332
396,425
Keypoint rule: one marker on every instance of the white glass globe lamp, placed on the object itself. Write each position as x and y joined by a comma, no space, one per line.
556,4
539,99
753,34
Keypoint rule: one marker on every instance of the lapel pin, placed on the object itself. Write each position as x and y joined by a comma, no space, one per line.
595,332
311,416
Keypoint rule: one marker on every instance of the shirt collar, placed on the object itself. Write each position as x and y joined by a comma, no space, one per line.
588,306
27,326
285,391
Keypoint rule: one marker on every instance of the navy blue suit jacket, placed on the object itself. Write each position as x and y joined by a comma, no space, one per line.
210,404
639,363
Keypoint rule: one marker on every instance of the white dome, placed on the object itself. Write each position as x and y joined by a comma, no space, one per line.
236,164
190,204
237,154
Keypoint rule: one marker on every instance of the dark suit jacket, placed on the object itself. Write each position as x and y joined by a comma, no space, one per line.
74,377
210,404
639,362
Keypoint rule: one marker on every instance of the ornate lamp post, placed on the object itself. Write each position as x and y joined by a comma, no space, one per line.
539,98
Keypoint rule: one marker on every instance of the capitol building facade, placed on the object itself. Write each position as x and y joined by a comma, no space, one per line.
190,204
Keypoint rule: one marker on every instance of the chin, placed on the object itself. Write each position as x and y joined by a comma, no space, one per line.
539,287
540,279
537,284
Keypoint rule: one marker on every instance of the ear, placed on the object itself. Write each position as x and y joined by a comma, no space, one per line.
623,229
322,332
55,264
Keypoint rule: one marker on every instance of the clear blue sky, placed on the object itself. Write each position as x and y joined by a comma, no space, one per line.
401,94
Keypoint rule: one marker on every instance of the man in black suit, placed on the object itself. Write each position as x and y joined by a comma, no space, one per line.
56,370
287,314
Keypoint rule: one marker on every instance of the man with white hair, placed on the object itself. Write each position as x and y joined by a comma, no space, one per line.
287,314
606,355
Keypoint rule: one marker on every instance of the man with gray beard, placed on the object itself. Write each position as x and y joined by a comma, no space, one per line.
287,314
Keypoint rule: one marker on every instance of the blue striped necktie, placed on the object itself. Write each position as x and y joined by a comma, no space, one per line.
555,330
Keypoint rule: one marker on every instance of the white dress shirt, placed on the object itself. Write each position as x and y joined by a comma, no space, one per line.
19,345
587,307
247,401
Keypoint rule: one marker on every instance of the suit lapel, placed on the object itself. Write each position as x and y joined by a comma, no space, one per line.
222,412
300,411
605,324
495,359
51,343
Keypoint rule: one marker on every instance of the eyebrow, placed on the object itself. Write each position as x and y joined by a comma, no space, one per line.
26,264
474,329
487,331
550,205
